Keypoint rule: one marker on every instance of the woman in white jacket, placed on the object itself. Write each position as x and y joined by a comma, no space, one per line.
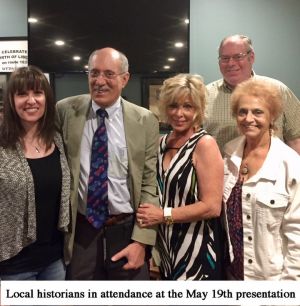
262,190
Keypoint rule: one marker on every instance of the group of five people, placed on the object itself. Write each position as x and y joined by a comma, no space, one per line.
209,218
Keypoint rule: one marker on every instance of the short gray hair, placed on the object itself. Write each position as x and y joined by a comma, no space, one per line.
123,59
247,40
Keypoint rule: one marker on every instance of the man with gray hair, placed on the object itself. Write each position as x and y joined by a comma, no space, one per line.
236,59
111,147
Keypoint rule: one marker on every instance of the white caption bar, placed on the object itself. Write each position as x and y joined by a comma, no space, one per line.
149,293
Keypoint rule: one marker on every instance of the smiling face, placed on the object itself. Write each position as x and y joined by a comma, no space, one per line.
253,117
30,106
238,61
181,113
106,78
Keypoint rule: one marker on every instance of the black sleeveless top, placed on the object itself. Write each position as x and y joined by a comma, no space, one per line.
48,247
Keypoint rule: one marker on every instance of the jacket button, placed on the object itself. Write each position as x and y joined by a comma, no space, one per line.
248,217
248,195
250,238
250,261
272,202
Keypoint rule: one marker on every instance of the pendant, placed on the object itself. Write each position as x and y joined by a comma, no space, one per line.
245,170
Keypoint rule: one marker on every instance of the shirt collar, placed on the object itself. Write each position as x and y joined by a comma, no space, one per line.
227,88
111,110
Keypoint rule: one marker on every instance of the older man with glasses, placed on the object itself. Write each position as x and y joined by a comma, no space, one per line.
236,58
111,146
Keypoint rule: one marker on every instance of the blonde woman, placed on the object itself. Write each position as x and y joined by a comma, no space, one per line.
190,180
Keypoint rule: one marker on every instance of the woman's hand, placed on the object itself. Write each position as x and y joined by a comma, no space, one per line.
148,215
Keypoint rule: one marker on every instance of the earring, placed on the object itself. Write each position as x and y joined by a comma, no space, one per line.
271,130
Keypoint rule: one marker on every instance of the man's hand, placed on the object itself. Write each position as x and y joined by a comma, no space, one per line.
135,254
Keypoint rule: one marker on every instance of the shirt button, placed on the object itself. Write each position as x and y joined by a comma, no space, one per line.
250,261
250,238
248,217
272,202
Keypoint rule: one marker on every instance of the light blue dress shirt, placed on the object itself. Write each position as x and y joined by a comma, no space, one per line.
118,191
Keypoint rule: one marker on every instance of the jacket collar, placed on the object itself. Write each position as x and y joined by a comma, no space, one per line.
269,169
81,104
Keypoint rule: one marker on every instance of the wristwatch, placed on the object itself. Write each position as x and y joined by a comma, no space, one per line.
168,215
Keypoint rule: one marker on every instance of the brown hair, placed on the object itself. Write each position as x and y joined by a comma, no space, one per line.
24,79
187,85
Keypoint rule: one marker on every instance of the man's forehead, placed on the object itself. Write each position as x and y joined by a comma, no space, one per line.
236,46
233,42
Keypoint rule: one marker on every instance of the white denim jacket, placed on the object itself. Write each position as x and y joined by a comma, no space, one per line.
270,209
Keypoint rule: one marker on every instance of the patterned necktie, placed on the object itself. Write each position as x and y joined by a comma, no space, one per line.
97,199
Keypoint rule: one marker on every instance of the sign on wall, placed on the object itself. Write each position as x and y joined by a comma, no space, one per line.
13,54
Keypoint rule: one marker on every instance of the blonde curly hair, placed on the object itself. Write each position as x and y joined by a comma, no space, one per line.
264,91
181,86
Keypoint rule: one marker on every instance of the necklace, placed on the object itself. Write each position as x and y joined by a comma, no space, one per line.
172,148
31,142
176,142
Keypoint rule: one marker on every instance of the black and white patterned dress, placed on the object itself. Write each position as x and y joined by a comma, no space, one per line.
188,251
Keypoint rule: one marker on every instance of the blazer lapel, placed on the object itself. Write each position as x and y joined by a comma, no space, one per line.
135,140
132,124
76,120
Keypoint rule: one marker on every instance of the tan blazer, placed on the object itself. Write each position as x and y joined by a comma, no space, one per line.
142,134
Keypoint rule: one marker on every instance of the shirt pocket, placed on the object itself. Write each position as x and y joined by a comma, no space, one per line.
118,162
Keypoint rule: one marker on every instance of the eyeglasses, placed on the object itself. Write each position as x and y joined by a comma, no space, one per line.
235,57
107,74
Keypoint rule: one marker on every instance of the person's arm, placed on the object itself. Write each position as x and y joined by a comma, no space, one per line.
149,184
135,252
291,114
210,174
291,236
58,121
294,144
